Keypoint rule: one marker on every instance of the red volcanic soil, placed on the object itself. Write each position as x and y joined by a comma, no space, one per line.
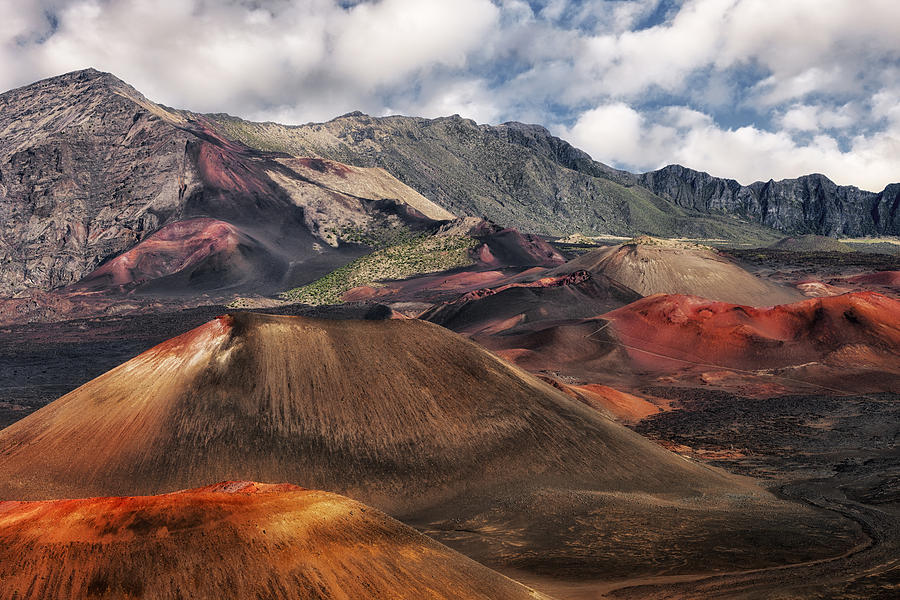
415,420
851,331
325,166
438,287
221,168
510,248
887,278
623,405
186,247
527,305
236,187
364,292
545,282
229,540
883,282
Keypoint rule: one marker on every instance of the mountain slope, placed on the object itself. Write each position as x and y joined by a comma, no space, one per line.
224,400
808,204
89,168
229,540
515,174
650,266
414,420
518,305
829,341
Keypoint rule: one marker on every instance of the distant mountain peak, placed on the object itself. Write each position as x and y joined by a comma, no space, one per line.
810,203
89,74
351,114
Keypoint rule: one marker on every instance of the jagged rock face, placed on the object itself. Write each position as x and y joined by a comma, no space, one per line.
808,204
538,139
85,172
886,209
89,169
515,174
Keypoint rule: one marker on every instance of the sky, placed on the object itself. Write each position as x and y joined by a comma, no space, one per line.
747,89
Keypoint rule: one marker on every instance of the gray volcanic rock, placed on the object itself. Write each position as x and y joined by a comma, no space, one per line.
89,169
809,204
886,209
86,170
515,174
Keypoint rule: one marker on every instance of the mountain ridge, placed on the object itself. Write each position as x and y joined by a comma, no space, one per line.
807,204
516,174
90,168
768,204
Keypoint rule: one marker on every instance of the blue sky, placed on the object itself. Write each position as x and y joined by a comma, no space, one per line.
749,89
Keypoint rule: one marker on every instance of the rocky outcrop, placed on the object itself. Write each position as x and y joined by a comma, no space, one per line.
515,174
86,171
812,204
89,168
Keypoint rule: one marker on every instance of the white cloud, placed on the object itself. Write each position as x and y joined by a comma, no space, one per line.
661,56
291,57
625,137
610,133
469,98
813,82
805,117
382,43
811,45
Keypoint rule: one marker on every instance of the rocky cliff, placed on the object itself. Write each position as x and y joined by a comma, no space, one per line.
89,169
522,175
515,174
808,204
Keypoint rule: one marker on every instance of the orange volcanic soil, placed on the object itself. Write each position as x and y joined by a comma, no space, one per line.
853,330
400,413
888,278
414,420
663,267
181,246
230,540
623,406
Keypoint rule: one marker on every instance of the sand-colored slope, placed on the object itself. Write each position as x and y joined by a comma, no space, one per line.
229,540
412,419
650,266
402,413
362,182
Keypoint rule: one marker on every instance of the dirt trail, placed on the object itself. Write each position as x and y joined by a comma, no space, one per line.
878,555
814,579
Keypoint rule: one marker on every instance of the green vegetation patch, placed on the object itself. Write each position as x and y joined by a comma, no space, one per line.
382,235
416,257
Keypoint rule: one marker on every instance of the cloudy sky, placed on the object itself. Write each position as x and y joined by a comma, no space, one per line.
749,89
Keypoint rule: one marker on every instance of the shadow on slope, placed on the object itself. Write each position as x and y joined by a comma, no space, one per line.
417,421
